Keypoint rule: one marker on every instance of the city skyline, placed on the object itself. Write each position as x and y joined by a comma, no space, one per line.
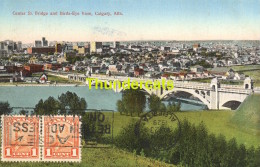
141,20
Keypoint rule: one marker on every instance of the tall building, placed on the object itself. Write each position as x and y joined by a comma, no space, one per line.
14,46
10,45
2,44
67,47
58,48
3,48
38,44
95,47
44,42
19,46
116,44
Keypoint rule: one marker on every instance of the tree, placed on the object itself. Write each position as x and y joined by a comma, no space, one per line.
160,143
5,108
120,107
23,112
172,107
257,159
48,107
232,153
70,103
204,64
163,108
178,107
134,136
242,155
39,108
250,156
154,103
133,102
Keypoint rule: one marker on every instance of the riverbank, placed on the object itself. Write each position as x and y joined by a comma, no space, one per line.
36,84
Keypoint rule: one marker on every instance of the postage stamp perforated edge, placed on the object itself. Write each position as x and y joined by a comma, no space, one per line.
2,142
43,137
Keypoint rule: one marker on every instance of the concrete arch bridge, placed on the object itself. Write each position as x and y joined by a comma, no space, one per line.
214,95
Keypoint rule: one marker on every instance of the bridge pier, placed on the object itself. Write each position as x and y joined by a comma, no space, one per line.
214,94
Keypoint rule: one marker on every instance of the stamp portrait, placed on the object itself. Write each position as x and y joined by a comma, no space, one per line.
20,138
62,139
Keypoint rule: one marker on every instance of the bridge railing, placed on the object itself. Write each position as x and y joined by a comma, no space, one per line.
177,84
232,86
241,91
192,86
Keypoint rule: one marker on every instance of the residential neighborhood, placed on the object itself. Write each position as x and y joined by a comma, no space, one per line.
176,60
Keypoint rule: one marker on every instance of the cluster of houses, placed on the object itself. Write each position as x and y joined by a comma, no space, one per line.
172,60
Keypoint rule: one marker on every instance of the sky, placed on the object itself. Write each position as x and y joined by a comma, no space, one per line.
141,20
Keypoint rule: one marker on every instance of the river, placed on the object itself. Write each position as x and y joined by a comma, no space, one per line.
28,96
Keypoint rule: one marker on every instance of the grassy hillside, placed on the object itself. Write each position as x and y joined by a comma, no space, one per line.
248,114
217,122
97,157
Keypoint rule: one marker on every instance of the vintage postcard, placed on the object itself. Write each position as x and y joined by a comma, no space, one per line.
130,83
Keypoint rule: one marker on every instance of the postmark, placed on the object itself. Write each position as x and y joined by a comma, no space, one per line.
20,138
97,128
169,122
61,138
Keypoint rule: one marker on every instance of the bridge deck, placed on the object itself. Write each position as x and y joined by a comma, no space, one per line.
177,84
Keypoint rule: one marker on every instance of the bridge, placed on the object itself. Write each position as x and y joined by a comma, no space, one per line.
214,95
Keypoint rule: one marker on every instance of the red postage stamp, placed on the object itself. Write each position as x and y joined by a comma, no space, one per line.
20,138
62,140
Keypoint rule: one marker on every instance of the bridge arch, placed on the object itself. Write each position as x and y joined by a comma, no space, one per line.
143,88
93,83
231,100
231,104
190,91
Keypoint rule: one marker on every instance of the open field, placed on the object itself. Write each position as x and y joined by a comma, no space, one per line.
245,67
98,157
